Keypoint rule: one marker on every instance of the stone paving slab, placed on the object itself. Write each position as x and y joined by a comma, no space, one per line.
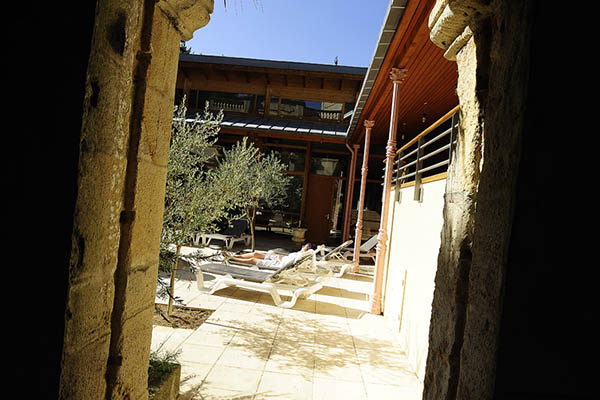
326,347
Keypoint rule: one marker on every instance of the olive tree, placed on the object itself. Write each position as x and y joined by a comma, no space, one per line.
253,180
192,202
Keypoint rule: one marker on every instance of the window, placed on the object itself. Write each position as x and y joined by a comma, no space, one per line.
228,102
311,109
329,165
178,96
294,159
294,195
273,105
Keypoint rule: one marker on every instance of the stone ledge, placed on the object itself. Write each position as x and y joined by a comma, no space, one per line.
449,23
187,16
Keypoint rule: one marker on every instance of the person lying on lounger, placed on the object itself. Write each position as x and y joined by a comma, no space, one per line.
269,259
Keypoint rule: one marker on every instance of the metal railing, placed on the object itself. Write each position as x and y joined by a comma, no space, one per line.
427,154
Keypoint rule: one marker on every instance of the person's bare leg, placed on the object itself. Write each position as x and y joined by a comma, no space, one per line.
248,258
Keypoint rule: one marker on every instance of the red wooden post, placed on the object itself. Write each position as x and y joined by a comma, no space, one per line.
349,193
363,186
397,76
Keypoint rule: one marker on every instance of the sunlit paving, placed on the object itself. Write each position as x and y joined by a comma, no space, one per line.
327,346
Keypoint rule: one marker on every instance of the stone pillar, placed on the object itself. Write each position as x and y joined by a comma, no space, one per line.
492,69
124,143
363,186
397,76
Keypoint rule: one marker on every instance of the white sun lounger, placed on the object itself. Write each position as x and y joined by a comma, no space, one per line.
289,279
367,249
230,235
330,264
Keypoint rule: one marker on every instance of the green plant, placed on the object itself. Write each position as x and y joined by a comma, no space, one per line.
160,365
252,180
192,202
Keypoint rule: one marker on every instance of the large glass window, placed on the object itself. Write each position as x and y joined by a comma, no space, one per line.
291,108
330,165
178,96
273,105
294,159
312,109
301,108
293,199
228,102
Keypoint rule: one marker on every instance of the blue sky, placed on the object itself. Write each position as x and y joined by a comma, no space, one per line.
314,31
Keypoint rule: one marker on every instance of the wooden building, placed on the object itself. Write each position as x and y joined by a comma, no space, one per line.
300,111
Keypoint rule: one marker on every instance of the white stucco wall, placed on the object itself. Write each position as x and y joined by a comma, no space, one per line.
413,249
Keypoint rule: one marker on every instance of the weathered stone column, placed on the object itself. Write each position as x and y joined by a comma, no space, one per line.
124,143
397,76
492,68
363,186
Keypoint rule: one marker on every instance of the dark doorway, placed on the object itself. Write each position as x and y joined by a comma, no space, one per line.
319,207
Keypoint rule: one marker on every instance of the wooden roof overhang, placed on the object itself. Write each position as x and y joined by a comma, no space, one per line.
429,88
303,81
276,134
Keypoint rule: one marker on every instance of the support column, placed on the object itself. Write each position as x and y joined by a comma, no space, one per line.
493,69
307,159
117,216
349,193
397,76
363,186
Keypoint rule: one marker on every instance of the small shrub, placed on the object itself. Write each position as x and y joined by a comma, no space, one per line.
161,365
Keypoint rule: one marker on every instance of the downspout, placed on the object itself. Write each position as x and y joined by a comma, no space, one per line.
349,193
397,76
363,187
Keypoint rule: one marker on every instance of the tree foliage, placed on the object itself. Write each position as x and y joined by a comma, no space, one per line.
197,196
191,201
256,180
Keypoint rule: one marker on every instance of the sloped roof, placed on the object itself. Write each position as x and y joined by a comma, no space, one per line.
290,126
253,62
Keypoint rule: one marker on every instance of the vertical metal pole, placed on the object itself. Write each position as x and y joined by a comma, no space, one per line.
453,135
397,76
363,186
399,172
418,166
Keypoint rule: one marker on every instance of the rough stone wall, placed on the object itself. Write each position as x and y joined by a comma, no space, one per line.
125,133
455,256
96,230
506,70
490,45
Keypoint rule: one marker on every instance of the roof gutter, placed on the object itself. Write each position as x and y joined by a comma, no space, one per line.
392,19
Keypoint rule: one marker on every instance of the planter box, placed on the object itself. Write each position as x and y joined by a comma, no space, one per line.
168,387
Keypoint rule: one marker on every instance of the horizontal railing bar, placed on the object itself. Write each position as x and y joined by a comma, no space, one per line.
408,175
437,151
409,154
445,133
438,137
434,166
410,164
433,153
430,128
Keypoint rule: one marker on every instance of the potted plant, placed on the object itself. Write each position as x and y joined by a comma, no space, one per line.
164,373
298,233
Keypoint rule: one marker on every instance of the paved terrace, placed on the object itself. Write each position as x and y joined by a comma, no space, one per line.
326,347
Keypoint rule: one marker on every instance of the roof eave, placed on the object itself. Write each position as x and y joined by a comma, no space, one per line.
392,20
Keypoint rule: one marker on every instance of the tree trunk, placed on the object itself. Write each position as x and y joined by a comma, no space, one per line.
252,215
172,286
